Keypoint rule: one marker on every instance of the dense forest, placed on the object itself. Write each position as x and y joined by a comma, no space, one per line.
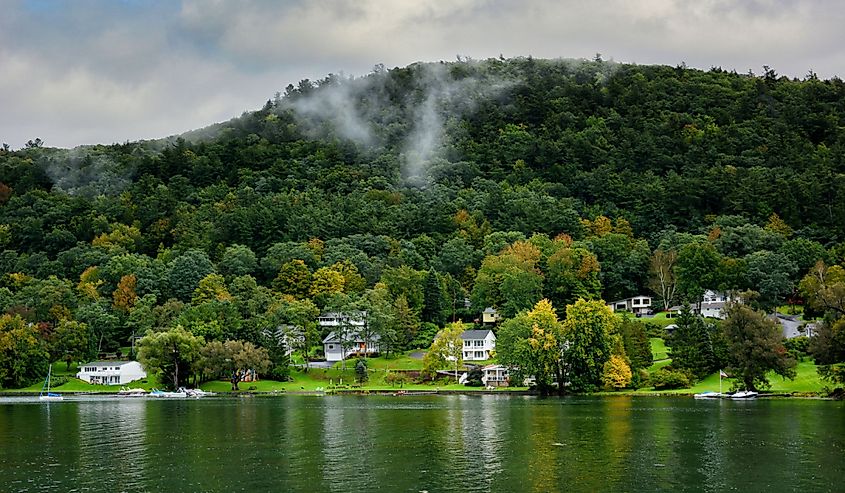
423,195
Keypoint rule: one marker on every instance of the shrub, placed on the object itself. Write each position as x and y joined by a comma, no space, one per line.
474,377
664,379
395,378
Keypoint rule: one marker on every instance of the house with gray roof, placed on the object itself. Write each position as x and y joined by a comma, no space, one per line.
478,344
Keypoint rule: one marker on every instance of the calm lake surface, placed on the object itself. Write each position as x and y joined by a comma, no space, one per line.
430,443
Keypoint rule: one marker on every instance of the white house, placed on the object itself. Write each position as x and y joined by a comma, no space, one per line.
478,344
495,376
712,305
337,349
638,305
336,319
111,372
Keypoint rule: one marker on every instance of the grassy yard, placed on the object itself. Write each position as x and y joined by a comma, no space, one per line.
807,380
396,362
658,349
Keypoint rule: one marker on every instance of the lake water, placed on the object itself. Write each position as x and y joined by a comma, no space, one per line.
429,443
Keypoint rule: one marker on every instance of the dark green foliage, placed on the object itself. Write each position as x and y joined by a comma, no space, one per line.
474,377
361,375
691,345
637,345
665,379
693,161
755,347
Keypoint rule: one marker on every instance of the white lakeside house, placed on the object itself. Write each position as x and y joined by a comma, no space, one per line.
111,372
478,344
346,337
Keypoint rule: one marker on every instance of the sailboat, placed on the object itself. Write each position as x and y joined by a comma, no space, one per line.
45,394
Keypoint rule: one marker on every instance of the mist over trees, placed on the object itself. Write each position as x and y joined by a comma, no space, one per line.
408,191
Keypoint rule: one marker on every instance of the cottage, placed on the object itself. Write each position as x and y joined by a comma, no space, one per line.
638,305
495,376
111,372
490,316
478,344
337,348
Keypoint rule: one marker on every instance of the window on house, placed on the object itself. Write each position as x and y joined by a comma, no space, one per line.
331,346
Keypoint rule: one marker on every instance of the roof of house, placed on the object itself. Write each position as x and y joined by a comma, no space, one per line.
353,336
475,334
489,309
107,363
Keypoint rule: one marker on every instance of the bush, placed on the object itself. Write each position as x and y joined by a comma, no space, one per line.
798,347
395,378
425,335
665,379
474,377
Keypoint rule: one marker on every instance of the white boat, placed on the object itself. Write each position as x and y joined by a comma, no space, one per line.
708,395
127,392
160,394
197,393
45,394
743,394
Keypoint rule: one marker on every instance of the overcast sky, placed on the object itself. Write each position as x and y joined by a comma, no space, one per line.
102,71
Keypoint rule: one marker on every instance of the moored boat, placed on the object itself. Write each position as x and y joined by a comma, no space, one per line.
708,395
743,394
161,394
127,392
45,394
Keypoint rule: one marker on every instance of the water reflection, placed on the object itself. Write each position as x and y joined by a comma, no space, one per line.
437,443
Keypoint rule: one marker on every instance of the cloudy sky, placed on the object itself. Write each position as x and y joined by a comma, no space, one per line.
102,71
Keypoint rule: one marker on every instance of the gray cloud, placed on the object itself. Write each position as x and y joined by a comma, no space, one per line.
98,71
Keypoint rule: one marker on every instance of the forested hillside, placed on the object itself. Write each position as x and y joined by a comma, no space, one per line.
406,191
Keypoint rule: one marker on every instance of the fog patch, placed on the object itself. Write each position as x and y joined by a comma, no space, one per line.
83,171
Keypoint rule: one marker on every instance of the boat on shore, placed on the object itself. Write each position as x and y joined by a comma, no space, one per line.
45,394
127,392
743,394
161,394
709,395
195,393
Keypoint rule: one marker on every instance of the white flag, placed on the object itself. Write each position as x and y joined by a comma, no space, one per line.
723,374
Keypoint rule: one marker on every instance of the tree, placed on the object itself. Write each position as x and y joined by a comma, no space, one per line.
572,273
616,373
125,296
294,278
770,274
186,271
755,347
510,281
697,270
171,354
237,260
236,359
691,345
661,277
433,300
23,353
636,343
70,342
361,375
447,349
211,288
587,331
532,345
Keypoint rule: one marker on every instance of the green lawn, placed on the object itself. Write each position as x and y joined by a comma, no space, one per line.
658,349
806,380
397,362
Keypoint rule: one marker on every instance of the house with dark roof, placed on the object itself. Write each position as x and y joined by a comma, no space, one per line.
478,344
339,345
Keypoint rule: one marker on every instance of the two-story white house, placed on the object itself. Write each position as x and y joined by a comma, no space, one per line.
712,305
111,372
639,305
495,376
478,344
348,335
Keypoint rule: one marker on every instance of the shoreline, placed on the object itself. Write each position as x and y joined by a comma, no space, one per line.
420,392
